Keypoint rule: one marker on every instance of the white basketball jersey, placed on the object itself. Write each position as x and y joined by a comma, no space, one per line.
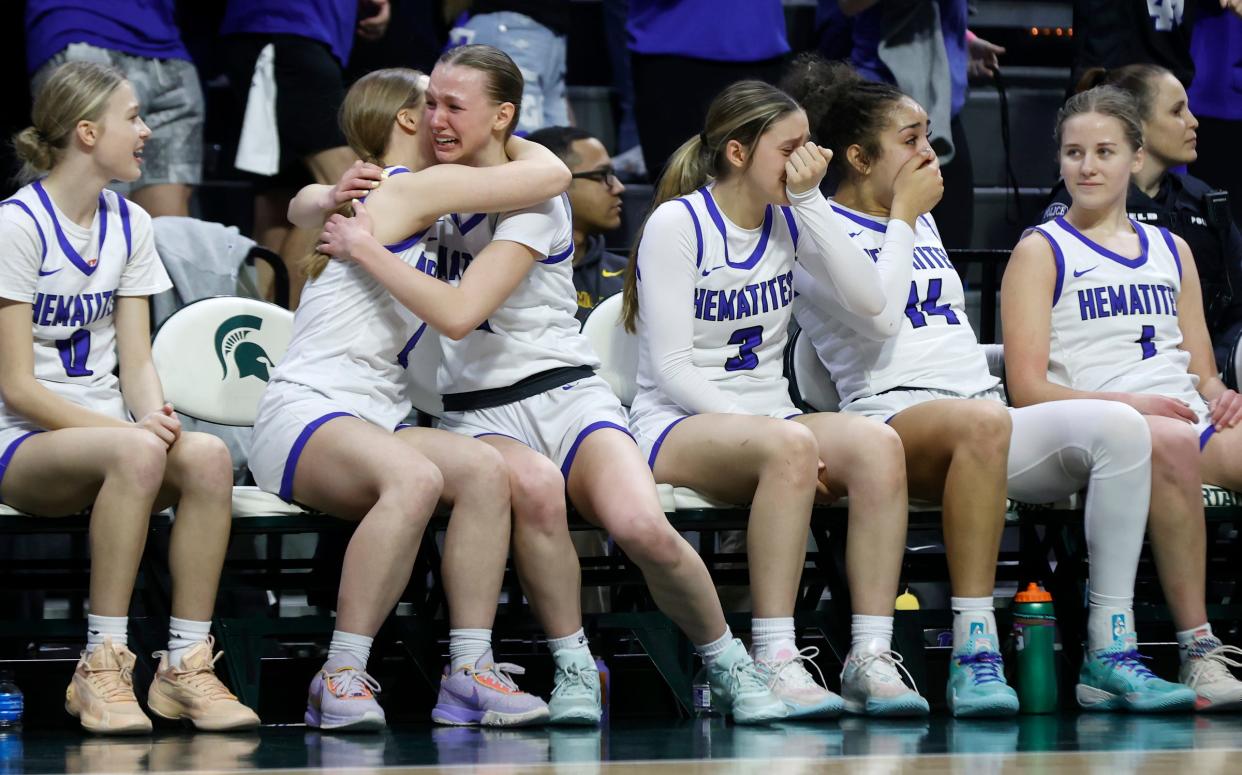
935,346
1114,319
352,340
742,295
534,330
71,277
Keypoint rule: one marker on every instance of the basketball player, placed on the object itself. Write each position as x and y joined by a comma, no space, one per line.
78,265
1096,305
919,368
518,374
709,293
337,400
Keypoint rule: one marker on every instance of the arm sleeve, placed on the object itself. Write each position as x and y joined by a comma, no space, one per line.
666,302
144,273
895,266
831,257
22,254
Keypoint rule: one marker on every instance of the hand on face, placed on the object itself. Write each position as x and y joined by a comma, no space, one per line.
918,186
806,167
341,235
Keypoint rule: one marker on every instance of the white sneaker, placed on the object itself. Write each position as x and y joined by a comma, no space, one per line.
1207,672
794,685
871,685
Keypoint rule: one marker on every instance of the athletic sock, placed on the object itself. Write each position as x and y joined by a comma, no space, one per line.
773,640
710,652
466,646
183,635
1108,620
576,641
1186,638
100,627
972,615
350,643
873,632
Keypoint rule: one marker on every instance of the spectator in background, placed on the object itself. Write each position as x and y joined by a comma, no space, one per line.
286,63
925,49
1115,33
1216,93
683,54
532,33
595,198
139,38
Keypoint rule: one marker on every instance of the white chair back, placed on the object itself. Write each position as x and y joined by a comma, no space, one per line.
808,379
215,356
617,348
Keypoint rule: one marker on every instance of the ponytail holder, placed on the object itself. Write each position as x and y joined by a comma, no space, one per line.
703,140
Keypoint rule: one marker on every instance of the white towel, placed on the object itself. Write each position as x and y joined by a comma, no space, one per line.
258,148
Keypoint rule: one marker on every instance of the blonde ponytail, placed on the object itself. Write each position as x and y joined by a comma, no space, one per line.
74,92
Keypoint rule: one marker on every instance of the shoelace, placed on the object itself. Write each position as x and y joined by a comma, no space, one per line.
347,682
744,675
205,680
1130,660
889,664
115,683
502,671
573,675
986,664
1213,664
799,676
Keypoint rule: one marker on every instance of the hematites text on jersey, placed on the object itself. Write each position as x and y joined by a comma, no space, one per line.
739,303
1106,301
50,309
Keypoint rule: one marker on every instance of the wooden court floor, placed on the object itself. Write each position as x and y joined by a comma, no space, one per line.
1051,745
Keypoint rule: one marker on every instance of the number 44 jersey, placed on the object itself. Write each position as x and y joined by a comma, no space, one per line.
71,276
933,346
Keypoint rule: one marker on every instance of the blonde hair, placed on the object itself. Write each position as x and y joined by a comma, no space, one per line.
366,118
1106,101
742,112
504,79
75,92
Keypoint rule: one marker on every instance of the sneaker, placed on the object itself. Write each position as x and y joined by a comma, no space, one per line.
101,694
871,685
1117,679
193,692
342,697
1207,672
575,689
977,680
741,690
485,695
790,681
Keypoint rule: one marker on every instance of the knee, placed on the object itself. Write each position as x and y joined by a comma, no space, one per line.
416,484
141,460
878,458
538,495
987,429
485,473
1175,455
1120,434
204,463
649,539
792,451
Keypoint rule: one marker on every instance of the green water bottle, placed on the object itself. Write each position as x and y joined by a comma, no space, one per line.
1035,630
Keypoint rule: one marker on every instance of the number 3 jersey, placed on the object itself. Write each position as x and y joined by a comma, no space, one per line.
933,347
1114,319
71,277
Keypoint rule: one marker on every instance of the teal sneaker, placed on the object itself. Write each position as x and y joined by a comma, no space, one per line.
575,689
977,680
740,691
1117,679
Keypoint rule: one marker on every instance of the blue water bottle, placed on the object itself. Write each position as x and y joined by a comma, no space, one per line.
12,704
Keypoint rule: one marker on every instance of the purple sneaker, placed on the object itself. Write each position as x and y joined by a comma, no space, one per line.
485,695
342,698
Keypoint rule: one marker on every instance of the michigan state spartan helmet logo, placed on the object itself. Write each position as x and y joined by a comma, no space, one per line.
232,340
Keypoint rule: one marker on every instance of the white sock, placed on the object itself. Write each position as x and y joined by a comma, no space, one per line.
710,652
772,640
351,643
576,641
1186,639
875,633
183,635
970,616
466,646
100,627
1109,619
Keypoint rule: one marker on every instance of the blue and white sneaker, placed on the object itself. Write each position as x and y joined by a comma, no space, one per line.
977,680
871,685
576,697
1116,679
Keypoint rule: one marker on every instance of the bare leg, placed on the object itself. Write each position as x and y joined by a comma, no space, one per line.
612,486
1175,526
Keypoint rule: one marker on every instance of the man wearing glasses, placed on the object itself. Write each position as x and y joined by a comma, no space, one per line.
595,197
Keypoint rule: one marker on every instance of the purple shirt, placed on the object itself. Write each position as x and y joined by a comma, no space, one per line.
1216,47
721,30
868,30
144,28
331,22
